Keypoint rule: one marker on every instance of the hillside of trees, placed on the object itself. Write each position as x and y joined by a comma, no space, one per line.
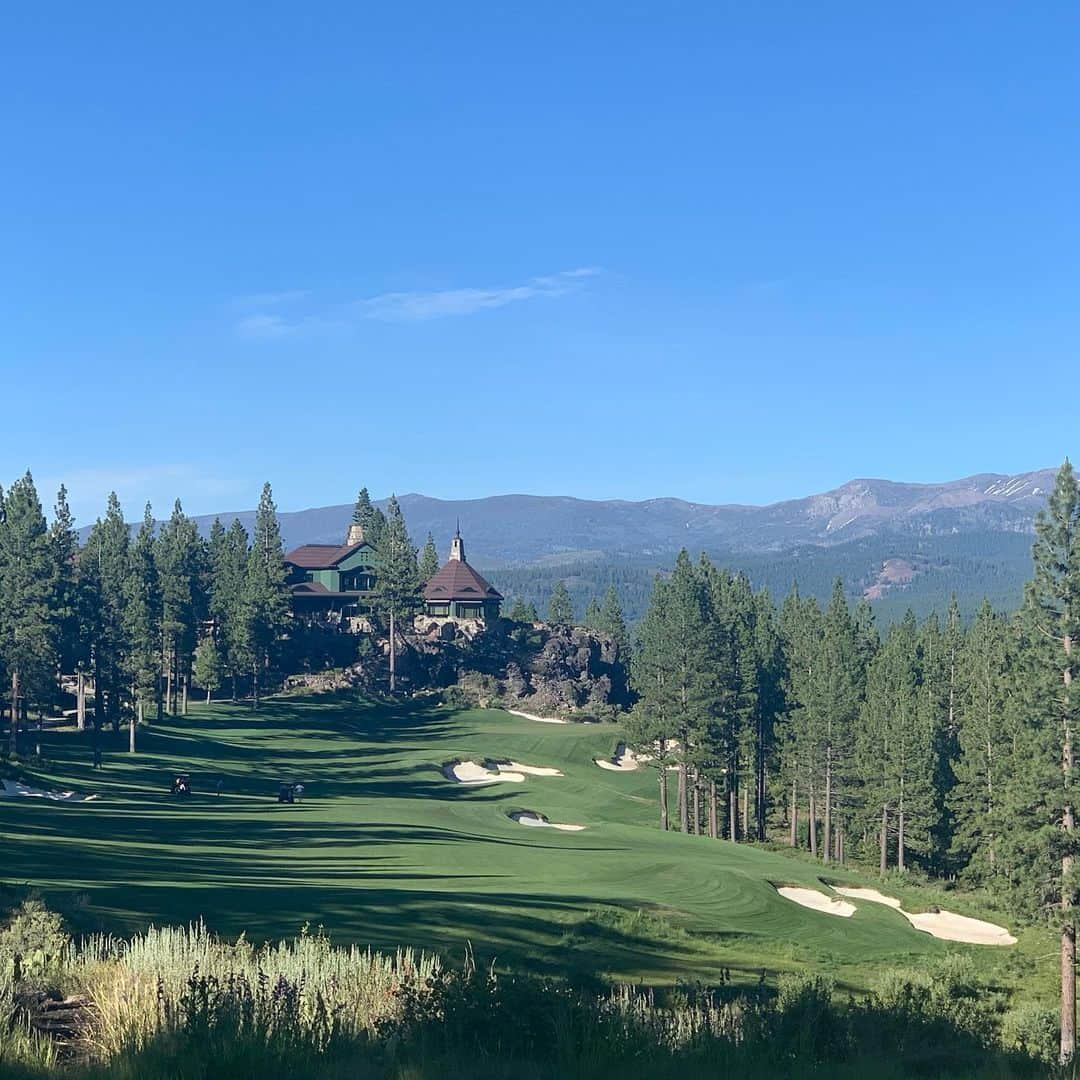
972,567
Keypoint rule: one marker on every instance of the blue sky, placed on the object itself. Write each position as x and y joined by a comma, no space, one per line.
730,252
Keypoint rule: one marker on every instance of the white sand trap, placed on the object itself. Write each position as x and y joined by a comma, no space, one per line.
517,767
940,924
623,760
817,901
12,789
469,772
538,821
538,719
950,927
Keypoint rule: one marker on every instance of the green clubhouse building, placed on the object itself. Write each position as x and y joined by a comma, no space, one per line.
336,582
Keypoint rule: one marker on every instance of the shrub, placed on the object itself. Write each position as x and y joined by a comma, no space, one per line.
32,945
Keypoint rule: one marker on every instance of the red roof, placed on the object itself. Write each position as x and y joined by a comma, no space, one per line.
320,556
457,580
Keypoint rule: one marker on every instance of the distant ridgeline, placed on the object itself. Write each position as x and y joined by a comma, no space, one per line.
975,566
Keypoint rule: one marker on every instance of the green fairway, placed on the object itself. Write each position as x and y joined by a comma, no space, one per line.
386,851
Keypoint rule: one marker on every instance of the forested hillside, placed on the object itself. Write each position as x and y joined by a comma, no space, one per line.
973,566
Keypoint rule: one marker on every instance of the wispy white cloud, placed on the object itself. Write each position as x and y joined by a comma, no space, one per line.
417,306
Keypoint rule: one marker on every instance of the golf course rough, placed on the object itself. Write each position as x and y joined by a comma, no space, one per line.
384,851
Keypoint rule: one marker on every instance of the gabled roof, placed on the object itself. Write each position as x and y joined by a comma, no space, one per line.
457,580
321,556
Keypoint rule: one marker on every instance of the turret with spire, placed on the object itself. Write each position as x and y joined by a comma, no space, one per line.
457,546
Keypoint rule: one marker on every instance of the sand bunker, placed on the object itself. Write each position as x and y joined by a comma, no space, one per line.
538,719
950,927
623,760
473,774
940,924
498,765
817,901
529,817
12,789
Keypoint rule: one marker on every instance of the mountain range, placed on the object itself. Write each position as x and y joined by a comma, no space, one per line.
898,545
505,529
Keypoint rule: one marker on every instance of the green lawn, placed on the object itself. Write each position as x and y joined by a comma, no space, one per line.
385,851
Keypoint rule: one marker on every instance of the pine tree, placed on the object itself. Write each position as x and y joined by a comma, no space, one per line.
397,587
28,631
429,560
228,576
986,731
897,751
560,606
143,623
66,603
522,612
1042,813
367,514
265,604
673,674
181,559
613,624
592,615
208,669
103,565
802,735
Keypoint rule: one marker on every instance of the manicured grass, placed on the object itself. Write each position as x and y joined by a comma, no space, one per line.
385,851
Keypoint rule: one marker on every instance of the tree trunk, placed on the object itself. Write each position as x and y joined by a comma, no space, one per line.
745,812
900,831
760,782
393,655
80,701
733,812
794,813
712,810
1068,989
184,694
13,734
826,849
1068,929
663,797
208,693
813,823
255,688
135,716
697,804
169,690
884,840
684,812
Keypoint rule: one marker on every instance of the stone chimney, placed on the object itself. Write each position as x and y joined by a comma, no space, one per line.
356,534
457,546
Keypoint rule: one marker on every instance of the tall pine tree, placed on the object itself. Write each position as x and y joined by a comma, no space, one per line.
397,585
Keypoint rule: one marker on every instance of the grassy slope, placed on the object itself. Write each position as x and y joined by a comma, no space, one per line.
385,851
